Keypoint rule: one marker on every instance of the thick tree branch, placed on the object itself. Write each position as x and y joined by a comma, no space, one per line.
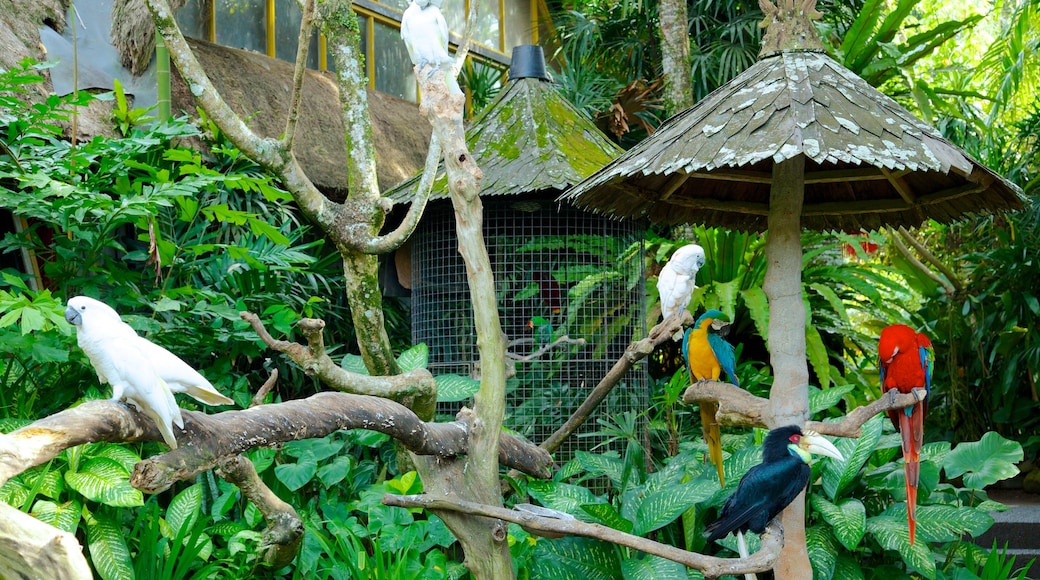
737,407
304,43
30,548
635,352
206,439
712,567
281,540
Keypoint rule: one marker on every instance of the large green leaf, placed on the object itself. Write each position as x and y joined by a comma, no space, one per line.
820,400
455,388
296,475
758,306
662,507
605,514
837,475
414,358
823,551
123,455
848,518
563,497
605,464
848,568
574,558
64,516
108,551
654,568
892,533
944,523
104,480
984,462
817,353
184,509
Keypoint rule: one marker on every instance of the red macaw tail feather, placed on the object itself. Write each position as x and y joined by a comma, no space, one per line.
911,427
713,437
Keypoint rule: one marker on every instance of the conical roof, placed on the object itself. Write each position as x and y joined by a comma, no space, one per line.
529,140
869,162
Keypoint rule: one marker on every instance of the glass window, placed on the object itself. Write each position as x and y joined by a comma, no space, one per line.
393,67
487,29
242,24
287,19
455,14
193,19
518,24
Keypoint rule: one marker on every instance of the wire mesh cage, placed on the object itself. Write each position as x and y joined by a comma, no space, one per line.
571,298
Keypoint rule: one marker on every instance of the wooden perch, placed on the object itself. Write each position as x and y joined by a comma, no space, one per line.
208,438
635,352
281,539
30,548
851,424
712,567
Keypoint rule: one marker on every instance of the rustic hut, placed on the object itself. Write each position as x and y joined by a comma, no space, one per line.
562,274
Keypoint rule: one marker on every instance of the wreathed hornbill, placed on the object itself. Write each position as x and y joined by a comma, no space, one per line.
767,488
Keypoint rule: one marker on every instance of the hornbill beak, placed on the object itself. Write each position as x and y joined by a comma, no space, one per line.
815,443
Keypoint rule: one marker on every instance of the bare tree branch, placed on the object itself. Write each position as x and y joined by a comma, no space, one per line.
304,43
261,393
281,540
905,252
30,548
850,425
711,566
635,352
930,257
393,240
736,406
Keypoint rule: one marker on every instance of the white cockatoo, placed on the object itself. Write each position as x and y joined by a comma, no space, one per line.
677,281
425,34
140,371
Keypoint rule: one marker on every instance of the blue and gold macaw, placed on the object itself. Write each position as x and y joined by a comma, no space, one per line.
707,354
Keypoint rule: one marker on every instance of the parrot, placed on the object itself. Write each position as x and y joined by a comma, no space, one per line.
906,359
769,487
144,373
543,330
425,34
707,354
677,281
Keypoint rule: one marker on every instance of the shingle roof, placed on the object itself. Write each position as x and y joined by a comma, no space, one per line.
869,161
529,140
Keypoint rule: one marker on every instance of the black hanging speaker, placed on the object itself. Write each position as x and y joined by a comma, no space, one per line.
528,63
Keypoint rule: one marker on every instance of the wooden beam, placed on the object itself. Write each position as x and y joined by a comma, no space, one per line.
735,175
673,184
900,185
846,175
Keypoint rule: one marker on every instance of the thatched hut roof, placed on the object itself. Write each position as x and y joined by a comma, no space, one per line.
869,162
529,140
258,88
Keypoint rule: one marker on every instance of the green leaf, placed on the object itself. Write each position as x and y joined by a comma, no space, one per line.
944,523
336,470
847,568
108,551
416,357
837,475
817,353
892,533
120,454
758,307
354,363
823,551
984,462
605,514
654,568
820,400
296,475
563,497
848,519
574,558
262,228
104,480
64,516
184,509
317,449
602,464
454,388
662,507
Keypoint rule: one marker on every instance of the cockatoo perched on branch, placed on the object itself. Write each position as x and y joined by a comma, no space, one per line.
140,371
425,33
677,281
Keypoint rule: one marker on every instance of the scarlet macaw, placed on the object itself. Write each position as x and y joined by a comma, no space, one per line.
707,354
905,361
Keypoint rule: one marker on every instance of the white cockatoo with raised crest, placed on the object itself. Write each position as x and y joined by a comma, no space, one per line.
677,281
140,371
